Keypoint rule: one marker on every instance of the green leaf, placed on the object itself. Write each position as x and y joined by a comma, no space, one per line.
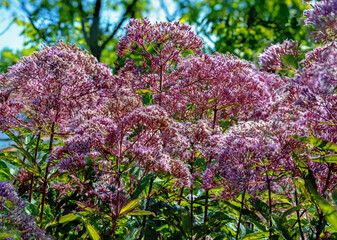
92,231
29,158
147,99
300,185
317,142
140,213
133,234
4,172
284,228
292,61
256,236
144,91
212,100
132,204
66,218
262,207
13,137
91,210
329,211
11,159
326,159
141,186
9,233
291,210
186,222
307,174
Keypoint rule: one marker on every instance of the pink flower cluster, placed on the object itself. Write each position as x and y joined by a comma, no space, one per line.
322,17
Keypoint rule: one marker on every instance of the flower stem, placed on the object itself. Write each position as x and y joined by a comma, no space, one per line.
270,206
44,191
321,215
298,216
192,202
146,207
239,223
181,195
32,175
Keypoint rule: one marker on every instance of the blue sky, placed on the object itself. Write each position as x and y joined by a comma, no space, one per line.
11,38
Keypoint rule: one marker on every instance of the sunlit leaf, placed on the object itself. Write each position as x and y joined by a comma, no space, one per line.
132,204
326,159
317,142
139,213
329,211
256,236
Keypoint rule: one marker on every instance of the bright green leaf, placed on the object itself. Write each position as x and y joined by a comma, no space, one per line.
92,231
132,204
256,236
140,213
317,142
326,159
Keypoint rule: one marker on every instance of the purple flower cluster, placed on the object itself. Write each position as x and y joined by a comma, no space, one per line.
14,217
323,18
275,57
54,83
235,117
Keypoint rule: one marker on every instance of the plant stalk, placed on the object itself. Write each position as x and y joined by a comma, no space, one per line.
32,175
192,202
321,215
298,216
181,195
240,217
44,191
270,206
146,208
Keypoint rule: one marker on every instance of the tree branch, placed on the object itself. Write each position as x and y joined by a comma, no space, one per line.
85,34
41,34
127,11
6,29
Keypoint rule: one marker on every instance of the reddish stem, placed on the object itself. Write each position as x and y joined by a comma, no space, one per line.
44,191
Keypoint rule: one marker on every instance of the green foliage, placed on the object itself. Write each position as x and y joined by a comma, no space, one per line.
244,28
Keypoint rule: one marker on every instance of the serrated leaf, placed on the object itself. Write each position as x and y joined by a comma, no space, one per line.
11,159
300,185
132,204
13,137
29,158
186,221
319,143
133,234
91,210
284,228
326,159
212,100
92,231
291,210
144,91
292,61
307,174
329,211
4,172
141,186
140,213
256,236
9,233
66,218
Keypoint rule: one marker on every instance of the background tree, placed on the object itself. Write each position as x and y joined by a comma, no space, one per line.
86,23
241,27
